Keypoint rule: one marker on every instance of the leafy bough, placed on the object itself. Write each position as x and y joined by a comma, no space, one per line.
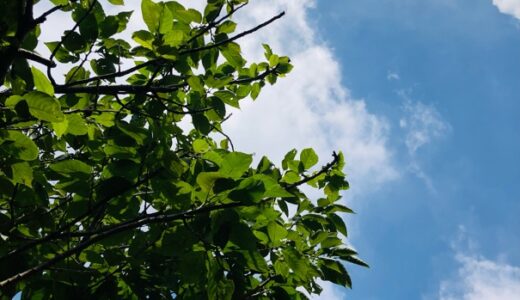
104,194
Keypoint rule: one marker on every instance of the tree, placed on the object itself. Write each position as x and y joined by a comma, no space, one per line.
104,195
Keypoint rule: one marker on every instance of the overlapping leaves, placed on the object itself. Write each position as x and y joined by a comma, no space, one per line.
132,190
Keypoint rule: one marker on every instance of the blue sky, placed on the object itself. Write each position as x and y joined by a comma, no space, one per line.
460,58
422,97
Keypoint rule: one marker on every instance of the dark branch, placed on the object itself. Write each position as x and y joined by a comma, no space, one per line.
122,227
215,23
182,52
140,89
323,170
236,37
158,217
60,43
58,233
44,16
36,58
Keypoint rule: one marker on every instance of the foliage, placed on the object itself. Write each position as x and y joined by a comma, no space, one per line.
104,195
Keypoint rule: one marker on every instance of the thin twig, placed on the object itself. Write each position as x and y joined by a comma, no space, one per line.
60,43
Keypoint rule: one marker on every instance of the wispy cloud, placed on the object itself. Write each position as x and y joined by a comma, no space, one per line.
422,124
482,279
510,7
478,278
391,75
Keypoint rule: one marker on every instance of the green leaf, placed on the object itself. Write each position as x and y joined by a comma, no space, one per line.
231,52
200,146
227,97
151,14
355,260
212,11
62,55
173,38
117,2
22,147
166,20
71,167
255,90
281,268
254,261
22,173
338,223
41,82
60,127
268,51
196,84
74,42
291,177
309,158
89,26
273,60
335,272
227,27
108,27
288,158
201,123
11,101
250,190
234,164
102,66
136,133
123,18
76,125
44,107
189,16
207,179
60,2
276,232
296,262
143,38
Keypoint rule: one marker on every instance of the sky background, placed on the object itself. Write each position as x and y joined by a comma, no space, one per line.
422,97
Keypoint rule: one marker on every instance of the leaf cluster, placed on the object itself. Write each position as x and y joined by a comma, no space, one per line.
118,181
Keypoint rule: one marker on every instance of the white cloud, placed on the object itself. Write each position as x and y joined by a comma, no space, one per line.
482,279
510,7
392,76
422,123
476,277
309,108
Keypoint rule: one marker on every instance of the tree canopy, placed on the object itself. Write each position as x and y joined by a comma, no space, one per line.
118,181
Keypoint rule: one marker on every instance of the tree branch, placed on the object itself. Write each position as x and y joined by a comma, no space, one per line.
236,37
323,170
124,226
30,55
182,52
139,89
58,233
60,43
44,16
215,23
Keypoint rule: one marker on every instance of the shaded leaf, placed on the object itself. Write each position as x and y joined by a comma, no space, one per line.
44,107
